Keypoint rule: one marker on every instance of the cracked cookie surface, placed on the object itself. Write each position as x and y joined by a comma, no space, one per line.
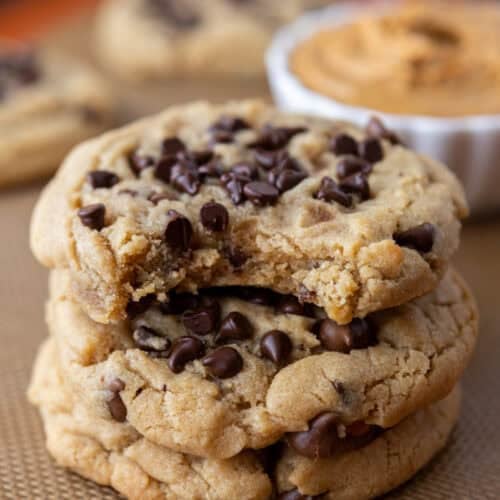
114,454
338,217
48,104
183,37
276,373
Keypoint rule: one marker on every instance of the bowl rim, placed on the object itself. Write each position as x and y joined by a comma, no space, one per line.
289,36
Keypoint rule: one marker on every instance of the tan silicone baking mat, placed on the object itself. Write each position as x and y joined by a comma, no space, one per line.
468,469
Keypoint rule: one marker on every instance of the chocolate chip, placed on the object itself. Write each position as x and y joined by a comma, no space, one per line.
92,216
358,429
356,184
376,128
214,217
115,404
228,123
289,304
245,171
213,168
344,144
102,179
359,334
179,303
261,193
268,159
419,238
184,350
184,177
295,494
148,339
288,179
179,232
221,137
371,150
235,326
138,162
320,441
163,168
203,319
352,165
329,191
334,337
198,157
273,138
172,145
236,256
234,188
276,346
134,308
225,362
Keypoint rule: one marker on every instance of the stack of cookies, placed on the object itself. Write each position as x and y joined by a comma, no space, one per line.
247,304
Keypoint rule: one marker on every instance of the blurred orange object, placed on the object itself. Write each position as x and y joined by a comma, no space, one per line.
28,19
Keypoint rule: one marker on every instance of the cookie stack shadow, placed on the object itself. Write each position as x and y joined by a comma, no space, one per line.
246,304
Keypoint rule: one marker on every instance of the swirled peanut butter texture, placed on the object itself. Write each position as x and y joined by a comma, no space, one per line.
437,59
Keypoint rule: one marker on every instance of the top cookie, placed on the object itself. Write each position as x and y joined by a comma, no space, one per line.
142,39
242,194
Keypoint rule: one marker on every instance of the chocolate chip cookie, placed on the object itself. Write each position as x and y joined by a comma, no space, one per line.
241,194
112,453
367,462
47,105
233,368
143,39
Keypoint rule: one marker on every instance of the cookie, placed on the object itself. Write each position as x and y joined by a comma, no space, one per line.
231,369
112,453
242,194
376,468
144,39
48,104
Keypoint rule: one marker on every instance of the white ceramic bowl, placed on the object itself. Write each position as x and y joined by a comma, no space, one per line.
470,145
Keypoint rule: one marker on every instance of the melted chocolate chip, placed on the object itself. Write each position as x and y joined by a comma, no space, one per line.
344,144
179,232
225,362
115,404
214,217
371,150
134,308
179,303
92,216
356,184
330,191
352,165
148,339
236,256
320,441
245,171
289,304
276,346
419,238
235,326
261,193
203,319
230,124
172,145
259,296
358,429
184,350
102,179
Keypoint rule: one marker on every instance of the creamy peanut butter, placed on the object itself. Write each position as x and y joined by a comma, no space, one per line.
426,58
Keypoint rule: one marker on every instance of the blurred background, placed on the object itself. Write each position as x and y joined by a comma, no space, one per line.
25,469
